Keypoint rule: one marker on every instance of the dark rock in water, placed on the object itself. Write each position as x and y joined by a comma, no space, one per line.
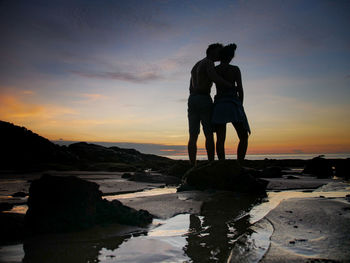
126,175
12,227
224,175
292,177
254,172
149,177
272,172
319,167
20,194
60,204
6,206
115,211
342,168
179,168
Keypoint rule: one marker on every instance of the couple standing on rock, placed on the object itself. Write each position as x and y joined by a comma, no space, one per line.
227,106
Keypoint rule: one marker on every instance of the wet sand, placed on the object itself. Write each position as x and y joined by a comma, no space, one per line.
204,226
308,229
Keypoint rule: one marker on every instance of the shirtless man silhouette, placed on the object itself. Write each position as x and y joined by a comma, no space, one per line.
200,103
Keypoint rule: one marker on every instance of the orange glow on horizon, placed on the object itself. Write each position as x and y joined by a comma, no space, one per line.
56,122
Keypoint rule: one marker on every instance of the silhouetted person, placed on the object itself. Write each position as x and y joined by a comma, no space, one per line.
200,104
228,105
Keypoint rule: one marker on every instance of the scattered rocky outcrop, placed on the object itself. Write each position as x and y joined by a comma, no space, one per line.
20,194
272,172
223,175
6,206
12,227
24,150
179,168
60,204
342,168
21,148
149,177
319,167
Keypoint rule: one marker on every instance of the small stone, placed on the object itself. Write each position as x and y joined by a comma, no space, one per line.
20,194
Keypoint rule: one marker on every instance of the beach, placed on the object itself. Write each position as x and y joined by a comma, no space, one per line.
300,220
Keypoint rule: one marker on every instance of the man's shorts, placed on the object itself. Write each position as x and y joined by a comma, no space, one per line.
200,108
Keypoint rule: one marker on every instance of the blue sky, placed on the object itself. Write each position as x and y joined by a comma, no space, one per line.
118,71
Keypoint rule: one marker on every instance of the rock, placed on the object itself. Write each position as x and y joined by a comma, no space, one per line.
224,175
148,177
179,168
272,172
12,227
115,211
126,175
94,153
20,194
319,167
23,149
6,206
254,172
61,204
342,168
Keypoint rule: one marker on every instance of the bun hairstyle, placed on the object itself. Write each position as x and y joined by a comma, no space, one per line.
213,47
228,52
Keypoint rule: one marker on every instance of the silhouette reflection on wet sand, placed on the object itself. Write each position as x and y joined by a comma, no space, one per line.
222,220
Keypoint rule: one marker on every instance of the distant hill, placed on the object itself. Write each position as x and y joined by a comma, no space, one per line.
21,149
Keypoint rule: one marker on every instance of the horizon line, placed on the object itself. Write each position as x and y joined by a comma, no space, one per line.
179,150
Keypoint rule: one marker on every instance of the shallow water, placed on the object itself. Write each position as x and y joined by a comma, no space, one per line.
145,193
230,227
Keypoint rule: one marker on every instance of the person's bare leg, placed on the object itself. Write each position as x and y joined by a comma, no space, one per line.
220,141
243,141
210,146
192,148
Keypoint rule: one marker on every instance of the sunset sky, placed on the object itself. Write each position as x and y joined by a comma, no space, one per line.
118,71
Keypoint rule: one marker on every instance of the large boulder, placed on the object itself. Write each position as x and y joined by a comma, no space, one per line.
319,167
223,175
60,204
12,228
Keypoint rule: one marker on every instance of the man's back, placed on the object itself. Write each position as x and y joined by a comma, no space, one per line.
200,81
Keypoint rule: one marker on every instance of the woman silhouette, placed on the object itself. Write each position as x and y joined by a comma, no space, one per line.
228,105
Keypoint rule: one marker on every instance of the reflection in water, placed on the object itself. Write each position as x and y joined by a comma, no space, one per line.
229,227
223,220
75,247
162,244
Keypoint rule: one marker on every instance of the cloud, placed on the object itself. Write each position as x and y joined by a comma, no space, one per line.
138,77
93,96
28,92
14,109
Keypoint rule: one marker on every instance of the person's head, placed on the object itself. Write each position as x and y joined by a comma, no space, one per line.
213,51
227,53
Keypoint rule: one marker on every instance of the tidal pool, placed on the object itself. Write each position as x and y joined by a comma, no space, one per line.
229,228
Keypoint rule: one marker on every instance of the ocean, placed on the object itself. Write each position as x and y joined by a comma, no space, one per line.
303,156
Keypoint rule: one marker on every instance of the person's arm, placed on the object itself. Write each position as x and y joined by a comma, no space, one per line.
213,76
239,85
